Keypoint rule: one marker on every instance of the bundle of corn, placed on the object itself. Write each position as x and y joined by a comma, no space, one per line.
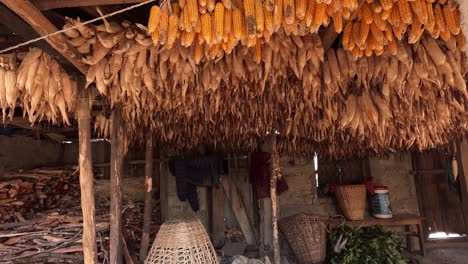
8,88
216,27
102,125
379,24
45,88
320,102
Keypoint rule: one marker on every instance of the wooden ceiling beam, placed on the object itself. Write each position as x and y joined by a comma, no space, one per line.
52,4
37,21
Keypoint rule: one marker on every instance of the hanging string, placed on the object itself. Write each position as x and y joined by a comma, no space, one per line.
77,26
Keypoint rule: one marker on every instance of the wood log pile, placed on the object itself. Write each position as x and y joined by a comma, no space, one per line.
41,219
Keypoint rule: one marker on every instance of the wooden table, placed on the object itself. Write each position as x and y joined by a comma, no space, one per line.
405,220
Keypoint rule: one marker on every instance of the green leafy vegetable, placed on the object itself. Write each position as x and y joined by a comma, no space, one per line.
371,245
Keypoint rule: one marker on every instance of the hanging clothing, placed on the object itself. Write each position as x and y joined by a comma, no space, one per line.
193,172
260,175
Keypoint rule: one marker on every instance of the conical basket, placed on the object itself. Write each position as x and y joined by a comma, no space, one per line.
182,242
307,237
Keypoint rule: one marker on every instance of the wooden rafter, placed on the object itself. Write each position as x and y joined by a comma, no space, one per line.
33,16
52,4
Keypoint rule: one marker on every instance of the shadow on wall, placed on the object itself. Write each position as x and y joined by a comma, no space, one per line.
23,152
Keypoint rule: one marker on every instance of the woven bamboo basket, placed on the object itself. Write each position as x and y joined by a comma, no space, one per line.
182,242
352,201
306,236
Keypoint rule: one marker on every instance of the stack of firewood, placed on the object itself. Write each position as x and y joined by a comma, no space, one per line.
24,193
41,222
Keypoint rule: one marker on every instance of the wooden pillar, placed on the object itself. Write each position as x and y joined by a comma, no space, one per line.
117,158
217,205
148,197
86,179
274,206
163,186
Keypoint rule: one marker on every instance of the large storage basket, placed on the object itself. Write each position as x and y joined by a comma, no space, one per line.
182,242
306,235
352,201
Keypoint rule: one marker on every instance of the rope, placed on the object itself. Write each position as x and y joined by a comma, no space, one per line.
77,26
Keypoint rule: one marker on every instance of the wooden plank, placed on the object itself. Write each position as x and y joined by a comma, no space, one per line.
86,179
217,218
239,210
53,4
274,199
148,197
163,190
117,158
33,16
462,158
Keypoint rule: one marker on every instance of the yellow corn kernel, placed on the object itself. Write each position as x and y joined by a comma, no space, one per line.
424,13
395,18
155,36
338,22
249,12
268,16
385,15
301,8
198,52
154,18
376,7
363,32
417,7
219,22
379,22
377,34
227,23
439,18
356,33
430,17
237,23
349,4
398,31
173,29
163,26
278,15
367,15
192,8
310,12
405,11
187,38
347,33
259,17
206,27
417,29
289,11
452,19
202,2
320,13
392,47
202,9
386,4
445,35
346,14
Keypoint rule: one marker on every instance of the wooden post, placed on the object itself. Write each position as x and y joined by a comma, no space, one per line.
117,157
148,197
217,210
86,179
274,207
163,186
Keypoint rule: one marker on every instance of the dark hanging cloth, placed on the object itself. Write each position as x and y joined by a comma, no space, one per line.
193,172
260,175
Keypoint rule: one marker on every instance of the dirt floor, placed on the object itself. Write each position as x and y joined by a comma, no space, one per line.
446,253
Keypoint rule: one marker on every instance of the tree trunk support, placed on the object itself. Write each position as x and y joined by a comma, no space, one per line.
117,158
148,197
86,179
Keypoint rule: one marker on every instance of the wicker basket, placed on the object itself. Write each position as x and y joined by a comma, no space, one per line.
306,236
352,201
182,242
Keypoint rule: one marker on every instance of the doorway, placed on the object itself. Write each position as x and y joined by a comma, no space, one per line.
439,199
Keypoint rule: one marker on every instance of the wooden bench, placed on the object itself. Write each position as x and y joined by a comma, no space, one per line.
405,220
